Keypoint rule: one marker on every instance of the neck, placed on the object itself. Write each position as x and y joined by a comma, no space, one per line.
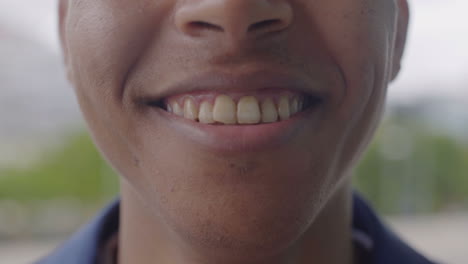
145,239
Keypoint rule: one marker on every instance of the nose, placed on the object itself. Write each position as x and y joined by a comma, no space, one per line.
238,19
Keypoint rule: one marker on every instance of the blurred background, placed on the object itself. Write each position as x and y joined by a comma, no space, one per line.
52,180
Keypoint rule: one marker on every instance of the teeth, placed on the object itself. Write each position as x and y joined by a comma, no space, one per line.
176,109
190,109
294,106
206,113
269,113
283,108
224,110
248,110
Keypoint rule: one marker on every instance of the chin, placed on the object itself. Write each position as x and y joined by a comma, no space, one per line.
249,206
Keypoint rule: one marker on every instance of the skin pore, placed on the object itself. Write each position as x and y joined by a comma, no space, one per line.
188,199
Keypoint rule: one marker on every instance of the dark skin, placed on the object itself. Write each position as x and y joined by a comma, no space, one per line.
191,199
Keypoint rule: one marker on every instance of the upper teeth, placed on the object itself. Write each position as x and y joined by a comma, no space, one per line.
248,109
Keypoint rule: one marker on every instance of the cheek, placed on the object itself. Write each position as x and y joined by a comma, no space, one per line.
105,40
103,45
359,35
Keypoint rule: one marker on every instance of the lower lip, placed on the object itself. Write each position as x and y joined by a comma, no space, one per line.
225,139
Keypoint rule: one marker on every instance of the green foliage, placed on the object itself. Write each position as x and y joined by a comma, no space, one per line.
75,169
409,169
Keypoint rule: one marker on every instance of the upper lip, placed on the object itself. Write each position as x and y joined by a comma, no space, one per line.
256,80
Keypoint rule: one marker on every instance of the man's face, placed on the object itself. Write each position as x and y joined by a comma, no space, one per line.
258,173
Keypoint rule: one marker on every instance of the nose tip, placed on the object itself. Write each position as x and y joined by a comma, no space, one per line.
236,18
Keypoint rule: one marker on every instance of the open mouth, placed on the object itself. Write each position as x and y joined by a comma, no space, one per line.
236,108
238,113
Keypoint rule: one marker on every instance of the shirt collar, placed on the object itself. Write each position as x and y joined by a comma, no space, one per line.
84,246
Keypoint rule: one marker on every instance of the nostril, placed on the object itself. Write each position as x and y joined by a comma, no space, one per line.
201,25
235,18
270,25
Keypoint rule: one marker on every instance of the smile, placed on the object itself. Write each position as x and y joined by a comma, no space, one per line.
258,107
252,112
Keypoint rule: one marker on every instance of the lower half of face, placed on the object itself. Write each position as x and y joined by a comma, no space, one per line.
198,129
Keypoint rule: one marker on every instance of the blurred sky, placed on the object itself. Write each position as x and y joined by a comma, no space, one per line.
436,61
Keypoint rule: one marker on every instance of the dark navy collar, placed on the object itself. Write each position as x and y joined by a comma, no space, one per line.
84,246
376,243
379,244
